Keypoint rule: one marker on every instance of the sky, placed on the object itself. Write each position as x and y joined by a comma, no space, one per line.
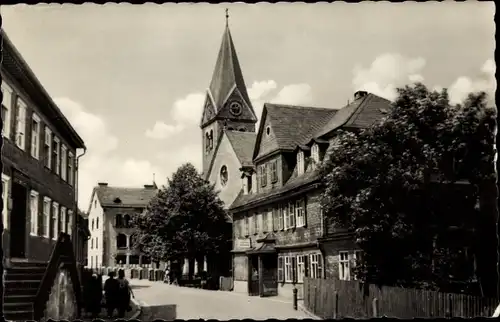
131,78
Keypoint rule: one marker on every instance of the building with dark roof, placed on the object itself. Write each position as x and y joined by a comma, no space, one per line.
269,179
109,219
39,156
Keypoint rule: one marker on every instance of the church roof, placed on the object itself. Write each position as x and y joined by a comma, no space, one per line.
292,124
243,144
227,73
124,197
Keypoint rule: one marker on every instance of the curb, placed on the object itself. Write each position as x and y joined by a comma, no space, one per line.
306,311
138,312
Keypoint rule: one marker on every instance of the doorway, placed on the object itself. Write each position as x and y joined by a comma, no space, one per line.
18,221
253,275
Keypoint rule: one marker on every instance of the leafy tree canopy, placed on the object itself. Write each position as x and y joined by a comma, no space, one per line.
185,219
382,184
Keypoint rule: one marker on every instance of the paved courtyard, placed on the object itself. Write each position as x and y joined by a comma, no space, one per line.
163,301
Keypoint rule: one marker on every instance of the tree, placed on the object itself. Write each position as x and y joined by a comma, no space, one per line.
393,185
186,219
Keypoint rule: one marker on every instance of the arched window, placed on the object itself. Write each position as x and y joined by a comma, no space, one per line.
242,129
230,129
92,224
211,139
118,221
121,241
126,221
207,141
92,243
97,223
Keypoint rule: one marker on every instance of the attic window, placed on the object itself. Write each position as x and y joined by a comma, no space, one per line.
268,130
242,129
117,200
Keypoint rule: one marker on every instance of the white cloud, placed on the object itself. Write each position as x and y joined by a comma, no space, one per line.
162,131
98,164
485,81
186,112
387,72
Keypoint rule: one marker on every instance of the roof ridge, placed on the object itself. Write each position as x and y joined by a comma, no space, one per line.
298,106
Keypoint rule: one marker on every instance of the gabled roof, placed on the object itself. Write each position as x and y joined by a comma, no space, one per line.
227,74
123,197
360,113
15,65
292,125
243,144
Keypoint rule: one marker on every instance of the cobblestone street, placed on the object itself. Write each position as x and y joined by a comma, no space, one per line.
163,301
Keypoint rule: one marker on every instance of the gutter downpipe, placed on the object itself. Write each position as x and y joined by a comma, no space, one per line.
75,211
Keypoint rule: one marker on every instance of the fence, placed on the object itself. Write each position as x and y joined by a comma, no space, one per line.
341,299
132,273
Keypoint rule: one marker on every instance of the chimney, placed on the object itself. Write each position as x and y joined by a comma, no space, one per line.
103,184
360,94
149,186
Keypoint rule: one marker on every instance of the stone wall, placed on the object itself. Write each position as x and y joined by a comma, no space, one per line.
62,301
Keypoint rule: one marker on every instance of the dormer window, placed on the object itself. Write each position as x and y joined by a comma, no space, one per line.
315,153
117,200
300,162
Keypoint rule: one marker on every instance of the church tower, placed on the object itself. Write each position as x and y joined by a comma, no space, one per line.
227,105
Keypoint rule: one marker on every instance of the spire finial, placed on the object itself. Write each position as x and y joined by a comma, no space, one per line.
227,16
153,177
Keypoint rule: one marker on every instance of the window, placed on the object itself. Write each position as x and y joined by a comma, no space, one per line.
300,163
274,171
70,168
35,136
20,124
47,148
223,176
290,263
64,161
121,241
126,221
301,268
46,217
315,153
57,161
92,225
6,108
63,219
118,221
344,270
34,212
268,221
256,223
281,221
316,267
247,226
97,242
70,222
55,220
92,243
281,275
300,213
91,261
5,198
263,175
289,215
357,258
97,223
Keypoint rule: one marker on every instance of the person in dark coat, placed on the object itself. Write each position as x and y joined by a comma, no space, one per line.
94,296
125,292
111,288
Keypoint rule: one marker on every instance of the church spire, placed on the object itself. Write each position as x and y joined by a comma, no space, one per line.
228,77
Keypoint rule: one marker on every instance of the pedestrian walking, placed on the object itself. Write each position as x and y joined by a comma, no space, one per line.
94,296
125,293
111,292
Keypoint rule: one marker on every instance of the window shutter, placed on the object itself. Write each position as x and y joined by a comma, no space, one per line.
40,216
280,218
291,214
286,217
294,269
306,266
304,209
281,276
275,219
319,274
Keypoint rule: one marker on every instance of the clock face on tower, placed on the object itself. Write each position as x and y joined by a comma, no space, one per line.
235,108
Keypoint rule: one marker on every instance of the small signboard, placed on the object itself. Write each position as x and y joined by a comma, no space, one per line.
243,243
